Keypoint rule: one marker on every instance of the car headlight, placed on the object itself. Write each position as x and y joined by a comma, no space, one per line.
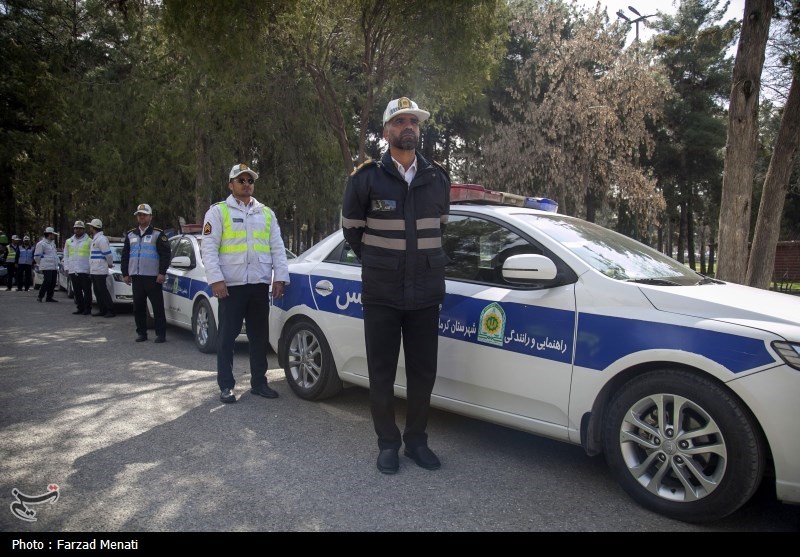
117,277
789,351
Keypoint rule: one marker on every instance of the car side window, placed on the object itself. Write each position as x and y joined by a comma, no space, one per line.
184,248
343,253
173,242
348,255
477,249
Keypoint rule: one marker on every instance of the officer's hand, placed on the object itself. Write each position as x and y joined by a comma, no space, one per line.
277,289
126,280
219,289
160,279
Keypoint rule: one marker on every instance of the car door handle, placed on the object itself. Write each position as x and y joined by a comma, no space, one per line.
324,287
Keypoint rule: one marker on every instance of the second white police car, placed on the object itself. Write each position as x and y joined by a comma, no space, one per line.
559,327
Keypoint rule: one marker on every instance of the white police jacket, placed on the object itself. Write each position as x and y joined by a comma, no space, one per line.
76,254
45,255
243,245
101,259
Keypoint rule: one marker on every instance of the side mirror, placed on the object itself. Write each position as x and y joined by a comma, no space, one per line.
181,262
528,268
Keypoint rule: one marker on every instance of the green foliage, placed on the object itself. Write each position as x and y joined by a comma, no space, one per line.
688,157
571,122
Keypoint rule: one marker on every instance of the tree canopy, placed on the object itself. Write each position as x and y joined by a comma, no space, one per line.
108,103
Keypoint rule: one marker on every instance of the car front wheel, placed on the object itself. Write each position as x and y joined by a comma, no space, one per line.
309,369
683,446
204,327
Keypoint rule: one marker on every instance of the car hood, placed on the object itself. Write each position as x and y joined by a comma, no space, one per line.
732,303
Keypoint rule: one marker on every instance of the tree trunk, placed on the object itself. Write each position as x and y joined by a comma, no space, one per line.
776,185
682,233
740,151
327,98
202,178
690,228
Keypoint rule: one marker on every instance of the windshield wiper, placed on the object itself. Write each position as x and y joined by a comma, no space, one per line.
709,280
657,281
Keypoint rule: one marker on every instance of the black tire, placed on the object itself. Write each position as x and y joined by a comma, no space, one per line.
700,467
204,327
309,368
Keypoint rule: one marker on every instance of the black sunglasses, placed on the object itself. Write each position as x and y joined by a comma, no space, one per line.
244,181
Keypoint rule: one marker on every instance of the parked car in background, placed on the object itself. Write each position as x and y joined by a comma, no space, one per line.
188,300
121,293
556,326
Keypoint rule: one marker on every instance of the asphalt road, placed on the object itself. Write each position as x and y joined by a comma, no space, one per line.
136,439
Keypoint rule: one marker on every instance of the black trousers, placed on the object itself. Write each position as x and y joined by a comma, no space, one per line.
104,301
48,285
248,302
82,290
11,275
146,288
383,329
24,276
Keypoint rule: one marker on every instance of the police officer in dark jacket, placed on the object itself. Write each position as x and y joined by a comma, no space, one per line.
145,258
393,215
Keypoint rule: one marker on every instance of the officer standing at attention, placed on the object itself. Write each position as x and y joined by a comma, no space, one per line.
77,251
11,261
46,257
100,261
243,253
145,258
25,264
393,215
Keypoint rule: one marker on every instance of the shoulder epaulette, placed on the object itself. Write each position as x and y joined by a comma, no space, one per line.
129,231
366,163
154,229
440,167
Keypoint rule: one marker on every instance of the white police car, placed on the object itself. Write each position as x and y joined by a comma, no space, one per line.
188,300
556,326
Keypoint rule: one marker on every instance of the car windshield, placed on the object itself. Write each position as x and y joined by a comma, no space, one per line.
116,252
611,253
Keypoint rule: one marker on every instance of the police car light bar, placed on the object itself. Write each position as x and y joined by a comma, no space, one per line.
475,193
191,228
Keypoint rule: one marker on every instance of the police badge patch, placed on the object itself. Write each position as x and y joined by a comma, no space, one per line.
384,205
207,229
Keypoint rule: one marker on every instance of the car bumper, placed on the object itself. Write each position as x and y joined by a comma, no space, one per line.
775,391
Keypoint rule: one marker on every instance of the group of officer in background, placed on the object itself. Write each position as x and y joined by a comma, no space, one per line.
86,260
18,260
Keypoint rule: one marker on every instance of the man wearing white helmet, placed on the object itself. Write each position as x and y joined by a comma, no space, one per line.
100,261
46,257
393,215
77,252
145,258
243,253
25,265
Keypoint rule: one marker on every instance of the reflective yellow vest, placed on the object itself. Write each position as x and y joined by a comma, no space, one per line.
235,241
